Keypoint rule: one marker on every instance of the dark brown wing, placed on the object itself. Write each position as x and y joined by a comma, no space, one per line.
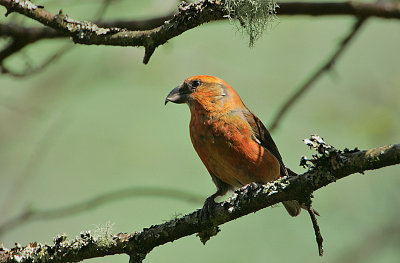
263,137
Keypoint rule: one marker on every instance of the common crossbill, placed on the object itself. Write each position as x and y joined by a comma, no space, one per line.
231,141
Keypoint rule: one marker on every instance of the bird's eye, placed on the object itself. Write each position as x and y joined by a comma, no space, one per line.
195,83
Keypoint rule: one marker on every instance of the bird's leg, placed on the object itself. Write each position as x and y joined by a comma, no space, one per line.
209,203
208,207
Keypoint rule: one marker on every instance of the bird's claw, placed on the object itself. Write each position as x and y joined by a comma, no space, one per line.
208,210
250,187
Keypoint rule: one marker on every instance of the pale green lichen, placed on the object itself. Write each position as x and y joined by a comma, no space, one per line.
103,234
254,16
26,4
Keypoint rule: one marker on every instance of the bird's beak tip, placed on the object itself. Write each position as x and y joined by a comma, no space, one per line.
176,96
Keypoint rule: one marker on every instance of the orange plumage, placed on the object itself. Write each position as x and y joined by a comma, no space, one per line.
231,141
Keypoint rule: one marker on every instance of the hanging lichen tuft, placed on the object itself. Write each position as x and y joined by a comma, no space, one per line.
254,16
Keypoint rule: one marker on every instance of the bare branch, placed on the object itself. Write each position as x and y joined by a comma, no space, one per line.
30,71
14,30
32,215
89,33
188,17
22,37
317,231
328,168
359,9
314,77
32,33
14,46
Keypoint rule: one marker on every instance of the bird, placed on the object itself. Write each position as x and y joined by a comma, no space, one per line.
230,140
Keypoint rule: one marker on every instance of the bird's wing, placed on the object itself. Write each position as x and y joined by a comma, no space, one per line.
262,137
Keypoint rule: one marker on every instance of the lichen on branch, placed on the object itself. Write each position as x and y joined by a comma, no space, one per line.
254,16
328,166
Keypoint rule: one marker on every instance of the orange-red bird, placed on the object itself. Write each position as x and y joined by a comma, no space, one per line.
232,142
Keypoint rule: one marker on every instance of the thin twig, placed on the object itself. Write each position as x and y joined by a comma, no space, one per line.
49,214
24,37
31,71
326,66
317,231
13,47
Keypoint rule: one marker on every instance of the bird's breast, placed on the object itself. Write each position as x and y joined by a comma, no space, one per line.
226,148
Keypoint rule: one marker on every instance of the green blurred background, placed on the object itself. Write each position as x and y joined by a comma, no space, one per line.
95,122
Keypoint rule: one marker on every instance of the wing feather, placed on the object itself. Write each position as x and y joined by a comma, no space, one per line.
263,137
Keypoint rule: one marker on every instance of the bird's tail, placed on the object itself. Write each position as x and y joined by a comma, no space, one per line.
293,207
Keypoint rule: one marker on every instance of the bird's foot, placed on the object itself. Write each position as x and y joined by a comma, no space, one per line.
251,187
205,216
208,210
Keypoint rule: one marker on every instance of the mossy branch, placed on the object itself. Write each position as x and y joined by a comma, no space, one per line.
329,166
188,16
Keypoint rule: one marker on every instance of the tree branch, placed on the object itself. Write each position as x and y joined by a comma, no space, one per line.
188,17
329,167
352,8
35,32
14,46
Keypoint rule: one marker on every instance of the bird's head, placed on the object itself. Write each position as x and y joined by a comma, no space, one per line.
205,92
